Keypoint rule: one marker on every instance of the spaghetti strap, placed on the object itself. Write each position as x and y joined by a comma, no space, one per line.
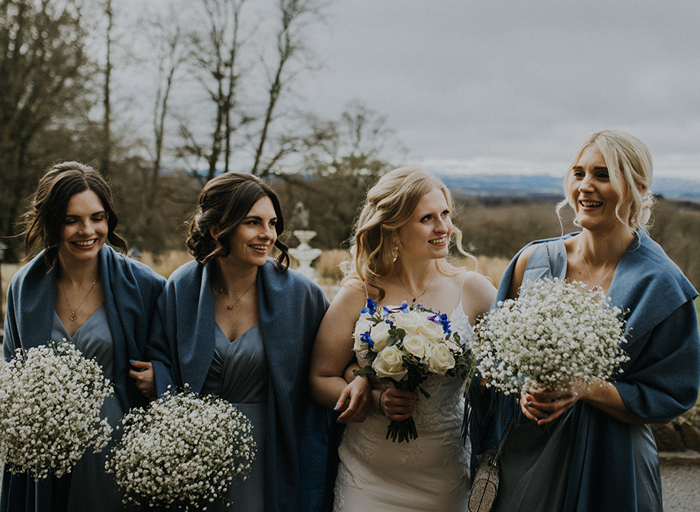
364,283
461,291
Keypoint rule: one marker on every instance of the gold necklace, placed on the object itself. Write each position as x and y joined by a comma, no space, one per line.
409,291
223,295
73,314
589,272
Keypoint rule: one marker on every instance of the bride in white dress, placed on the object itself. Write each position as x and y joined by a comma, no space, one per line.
402,239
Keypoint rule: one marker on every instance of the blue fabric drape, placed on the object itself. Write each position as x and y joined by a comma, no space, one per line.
291,308
130,291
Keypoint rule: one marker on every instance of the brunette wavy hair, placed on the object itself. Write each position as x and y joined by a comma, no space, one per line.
224,202
46,216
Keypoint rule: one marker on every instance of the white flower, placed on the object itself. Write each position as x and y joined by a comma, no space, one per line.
432,331
389,363
183,448
554,334
362,326
415,344
409,321
379,335
441,359
50,401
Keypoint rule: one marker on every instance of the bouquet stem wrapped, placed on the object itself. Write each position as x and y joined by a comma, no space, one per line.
403,346
50,401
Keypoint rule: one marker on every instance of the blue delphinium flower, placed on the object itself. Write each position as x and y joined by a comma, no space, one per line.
371,307
367,339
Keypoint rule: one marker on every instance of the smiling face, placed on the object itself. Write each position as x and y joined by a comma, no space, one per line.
427,233
253,239
592,193
85,228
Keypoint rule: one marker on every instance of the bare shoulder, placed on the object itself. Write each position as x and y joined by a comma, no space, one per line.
480,292
351,295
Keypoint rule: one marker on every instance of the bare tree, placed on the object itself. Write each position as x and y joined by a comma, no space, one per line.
218,67
43,75
106,96
294,17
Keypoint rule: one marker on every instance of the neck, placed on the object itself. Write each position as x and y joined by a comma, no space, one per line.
416,279
604,250
232,277
77,273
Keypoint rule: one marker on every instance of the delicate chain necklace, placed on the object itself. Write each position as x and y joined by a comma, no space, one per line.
409,291
589,272
223,295
74,312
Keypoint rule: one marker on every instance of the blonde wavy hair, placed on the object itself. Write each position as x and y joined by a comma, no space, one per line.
389,206
631,170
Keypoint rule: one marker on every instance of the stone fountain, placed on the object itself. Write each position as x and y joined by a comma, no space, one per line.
304,253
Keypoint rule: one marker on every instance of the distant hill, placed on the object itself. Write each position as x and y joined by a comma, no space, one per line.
517,185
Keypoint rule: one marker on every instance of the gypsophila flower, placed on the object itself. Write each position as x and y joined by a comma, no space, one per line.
554,334
403,346
50,400
184,449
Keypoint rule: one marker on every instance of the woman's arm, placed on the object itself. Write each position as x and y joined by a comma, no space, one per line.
546,406
332,358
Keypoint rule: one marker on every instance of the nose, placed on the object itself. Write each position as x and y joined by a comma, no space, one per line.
87,228
586,184
443,225
268,232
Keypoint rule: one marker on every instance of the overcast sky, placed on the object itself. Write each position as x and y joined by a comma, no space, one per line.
514,85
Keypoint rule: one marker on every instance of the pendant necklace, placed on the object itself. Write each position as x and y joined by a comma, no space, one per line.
409,291
589,272
74,312
223,296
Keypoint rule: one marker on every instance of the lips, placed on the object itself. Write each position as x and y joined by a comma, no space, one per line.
259,247
590,204
438,241
85,244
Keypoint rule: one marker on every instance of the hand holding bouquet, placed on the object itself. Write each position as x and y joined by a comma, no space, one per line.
50,401
403,346
555,334
183,448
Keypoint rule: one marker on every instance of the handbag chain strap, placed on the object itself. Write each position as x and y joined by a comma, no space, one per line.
502,440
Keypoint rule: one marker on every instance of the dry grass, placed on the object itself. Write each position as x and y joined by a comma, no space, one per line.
165,264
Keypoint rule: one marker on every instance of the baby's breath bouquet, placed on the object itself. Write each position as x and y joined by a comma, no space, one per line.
50,400
403,346
184,449
554,334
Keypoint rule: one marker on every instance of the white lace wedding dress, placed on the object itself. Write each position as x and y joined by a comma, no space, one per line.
430,473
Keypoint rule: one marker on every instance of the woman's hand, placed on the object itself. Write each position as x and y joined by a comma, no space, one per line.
397,404
354,401
546,406
142,373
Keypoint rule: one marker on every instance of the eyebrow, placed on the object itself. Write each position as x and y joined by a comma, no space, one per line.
596,168
103,212
256,217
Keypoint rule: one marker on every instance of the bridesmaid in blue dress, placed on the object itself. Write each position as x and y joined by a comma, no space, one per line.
240,325
80,289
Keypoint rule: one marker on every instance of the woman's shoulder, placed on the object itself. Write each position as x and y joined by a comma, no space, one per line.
479,291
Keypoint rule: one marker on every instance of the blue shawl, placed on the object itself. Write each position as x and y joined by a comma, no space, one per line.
130,293
291,308
658,383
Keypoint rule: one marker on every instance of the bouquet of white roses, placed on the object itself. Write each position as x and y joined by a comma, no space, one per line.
554,334
183,448
404,346
50,400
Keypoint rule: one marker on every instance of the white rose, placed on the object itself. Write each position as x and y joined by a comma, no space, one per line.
416,345
379,335
389,363
441,359
362,326
409,322
434,332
